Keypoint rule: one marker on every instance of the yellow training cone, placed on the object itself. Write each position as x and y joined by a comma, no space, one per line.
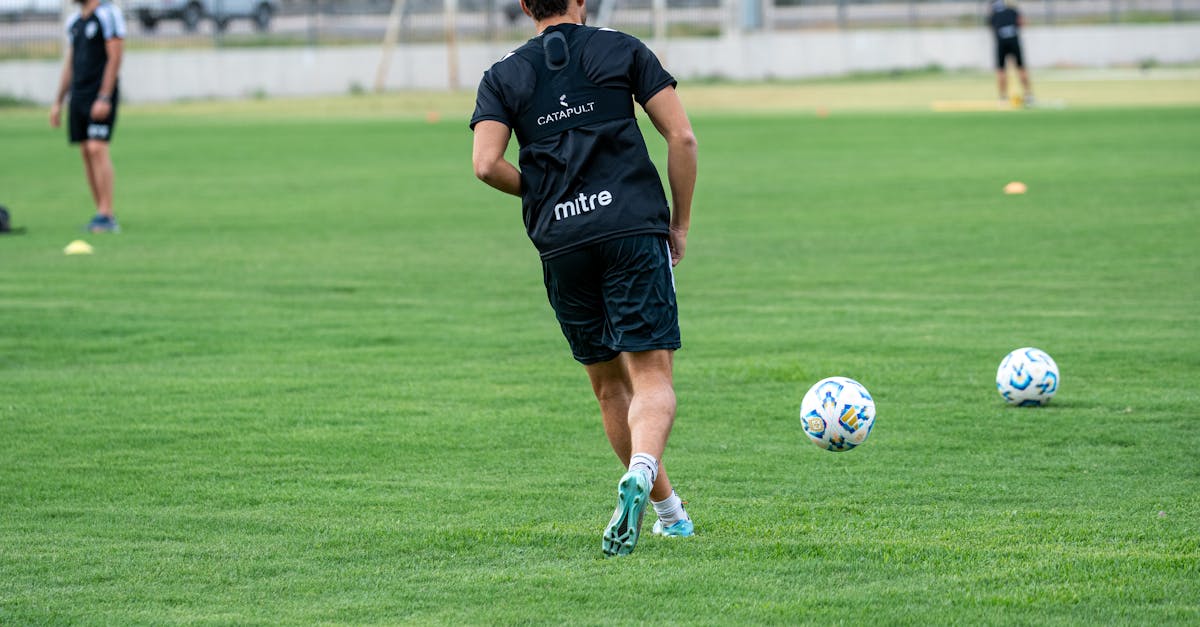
1015,187
78,247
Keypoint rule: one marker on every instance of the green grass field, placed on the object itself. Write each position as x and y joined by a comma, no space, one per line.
316,379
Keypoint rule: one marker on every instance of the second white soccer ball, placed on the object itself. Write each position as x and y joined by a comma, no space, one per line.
1027,377
837,413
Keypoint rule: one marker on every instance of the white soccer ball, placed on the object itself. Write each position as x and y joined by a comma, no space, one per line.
1027,377
837,414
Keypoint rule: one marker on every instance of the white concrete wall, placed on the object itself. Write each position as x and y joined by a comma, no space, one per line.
820,53
158,76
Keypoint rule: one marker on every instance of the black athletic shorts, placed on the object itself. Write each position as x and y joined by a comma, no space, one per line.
1006,48
613,297
82,127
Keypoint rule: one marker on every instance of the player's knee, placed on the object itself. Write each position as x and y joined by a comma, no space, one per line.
612,391
610,382
656,388
95,149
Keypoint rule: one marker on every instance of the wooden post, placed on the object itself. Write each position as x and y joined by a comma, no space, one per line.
451,44
390,37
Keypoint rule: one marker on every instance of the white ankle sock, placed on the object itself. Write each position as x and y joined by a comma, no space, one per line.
646,463
670,510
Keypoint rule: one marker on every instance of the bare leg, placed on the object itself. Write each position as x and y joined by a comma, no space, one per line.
1002,83
637,411
652,408
91,174
1025,81
101,169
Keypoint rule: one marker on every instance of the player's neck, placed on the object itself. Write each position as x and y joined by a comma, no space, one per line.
89,7
570,17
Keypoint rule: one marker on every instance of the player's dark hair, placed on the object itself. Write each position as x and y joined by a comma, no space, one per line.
542,9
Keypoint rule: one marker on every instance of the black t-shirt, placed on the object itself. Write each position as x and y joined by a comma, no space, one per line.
1005,21
585,173
87,37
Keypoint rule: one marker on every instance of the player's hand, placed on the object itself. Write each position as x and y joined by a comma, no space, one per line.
677,240
100,110
56,115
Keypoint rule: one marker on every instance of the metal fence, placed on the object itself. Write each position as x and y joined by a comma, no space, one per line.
34,28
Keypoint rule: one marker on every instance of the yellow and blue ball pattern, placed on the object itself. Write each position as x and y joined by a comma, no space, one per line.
837,414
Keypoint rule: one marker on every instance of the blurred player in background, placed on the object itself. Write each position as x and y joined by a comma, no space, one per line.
595,209
1006,23
96,33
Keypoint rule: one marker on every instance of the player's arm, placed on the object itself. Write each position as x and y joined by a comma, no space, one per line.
64,85
108,83
491,140
671,120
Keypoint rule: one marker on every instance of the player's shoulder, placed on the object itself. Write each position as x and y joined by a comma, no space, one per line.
612,38
109,9
72,18
511,76
605,32
111,20
610,48
513,61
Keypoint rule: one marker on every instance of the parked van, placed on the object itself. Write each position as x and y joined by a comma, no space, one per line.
13,10
150,12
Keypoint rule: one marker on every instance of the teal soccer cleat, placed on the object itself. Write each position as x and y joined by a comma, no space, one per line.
681,529
621,535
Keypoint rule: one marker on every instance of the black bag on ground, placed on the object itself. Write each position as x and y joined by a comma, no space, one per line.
6,223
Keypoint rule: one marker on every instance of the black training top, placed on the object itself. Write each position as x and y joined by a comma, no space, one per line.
87,36
1004,21
585,174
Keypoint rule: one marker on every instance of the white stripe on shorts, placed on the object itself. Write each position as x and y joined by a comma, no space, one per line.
670,268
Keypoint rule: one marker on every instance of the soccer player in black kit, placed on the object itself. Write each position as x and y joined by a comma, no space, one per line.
93,59
1006,23
596,211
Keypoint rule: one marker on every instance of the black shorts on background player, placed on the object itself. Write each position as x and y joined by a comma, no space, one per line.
1006,28
81,126
1008,48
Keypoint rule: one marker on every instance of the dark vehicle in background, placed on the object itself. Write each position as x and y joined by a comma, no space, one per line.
191,12
15,10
